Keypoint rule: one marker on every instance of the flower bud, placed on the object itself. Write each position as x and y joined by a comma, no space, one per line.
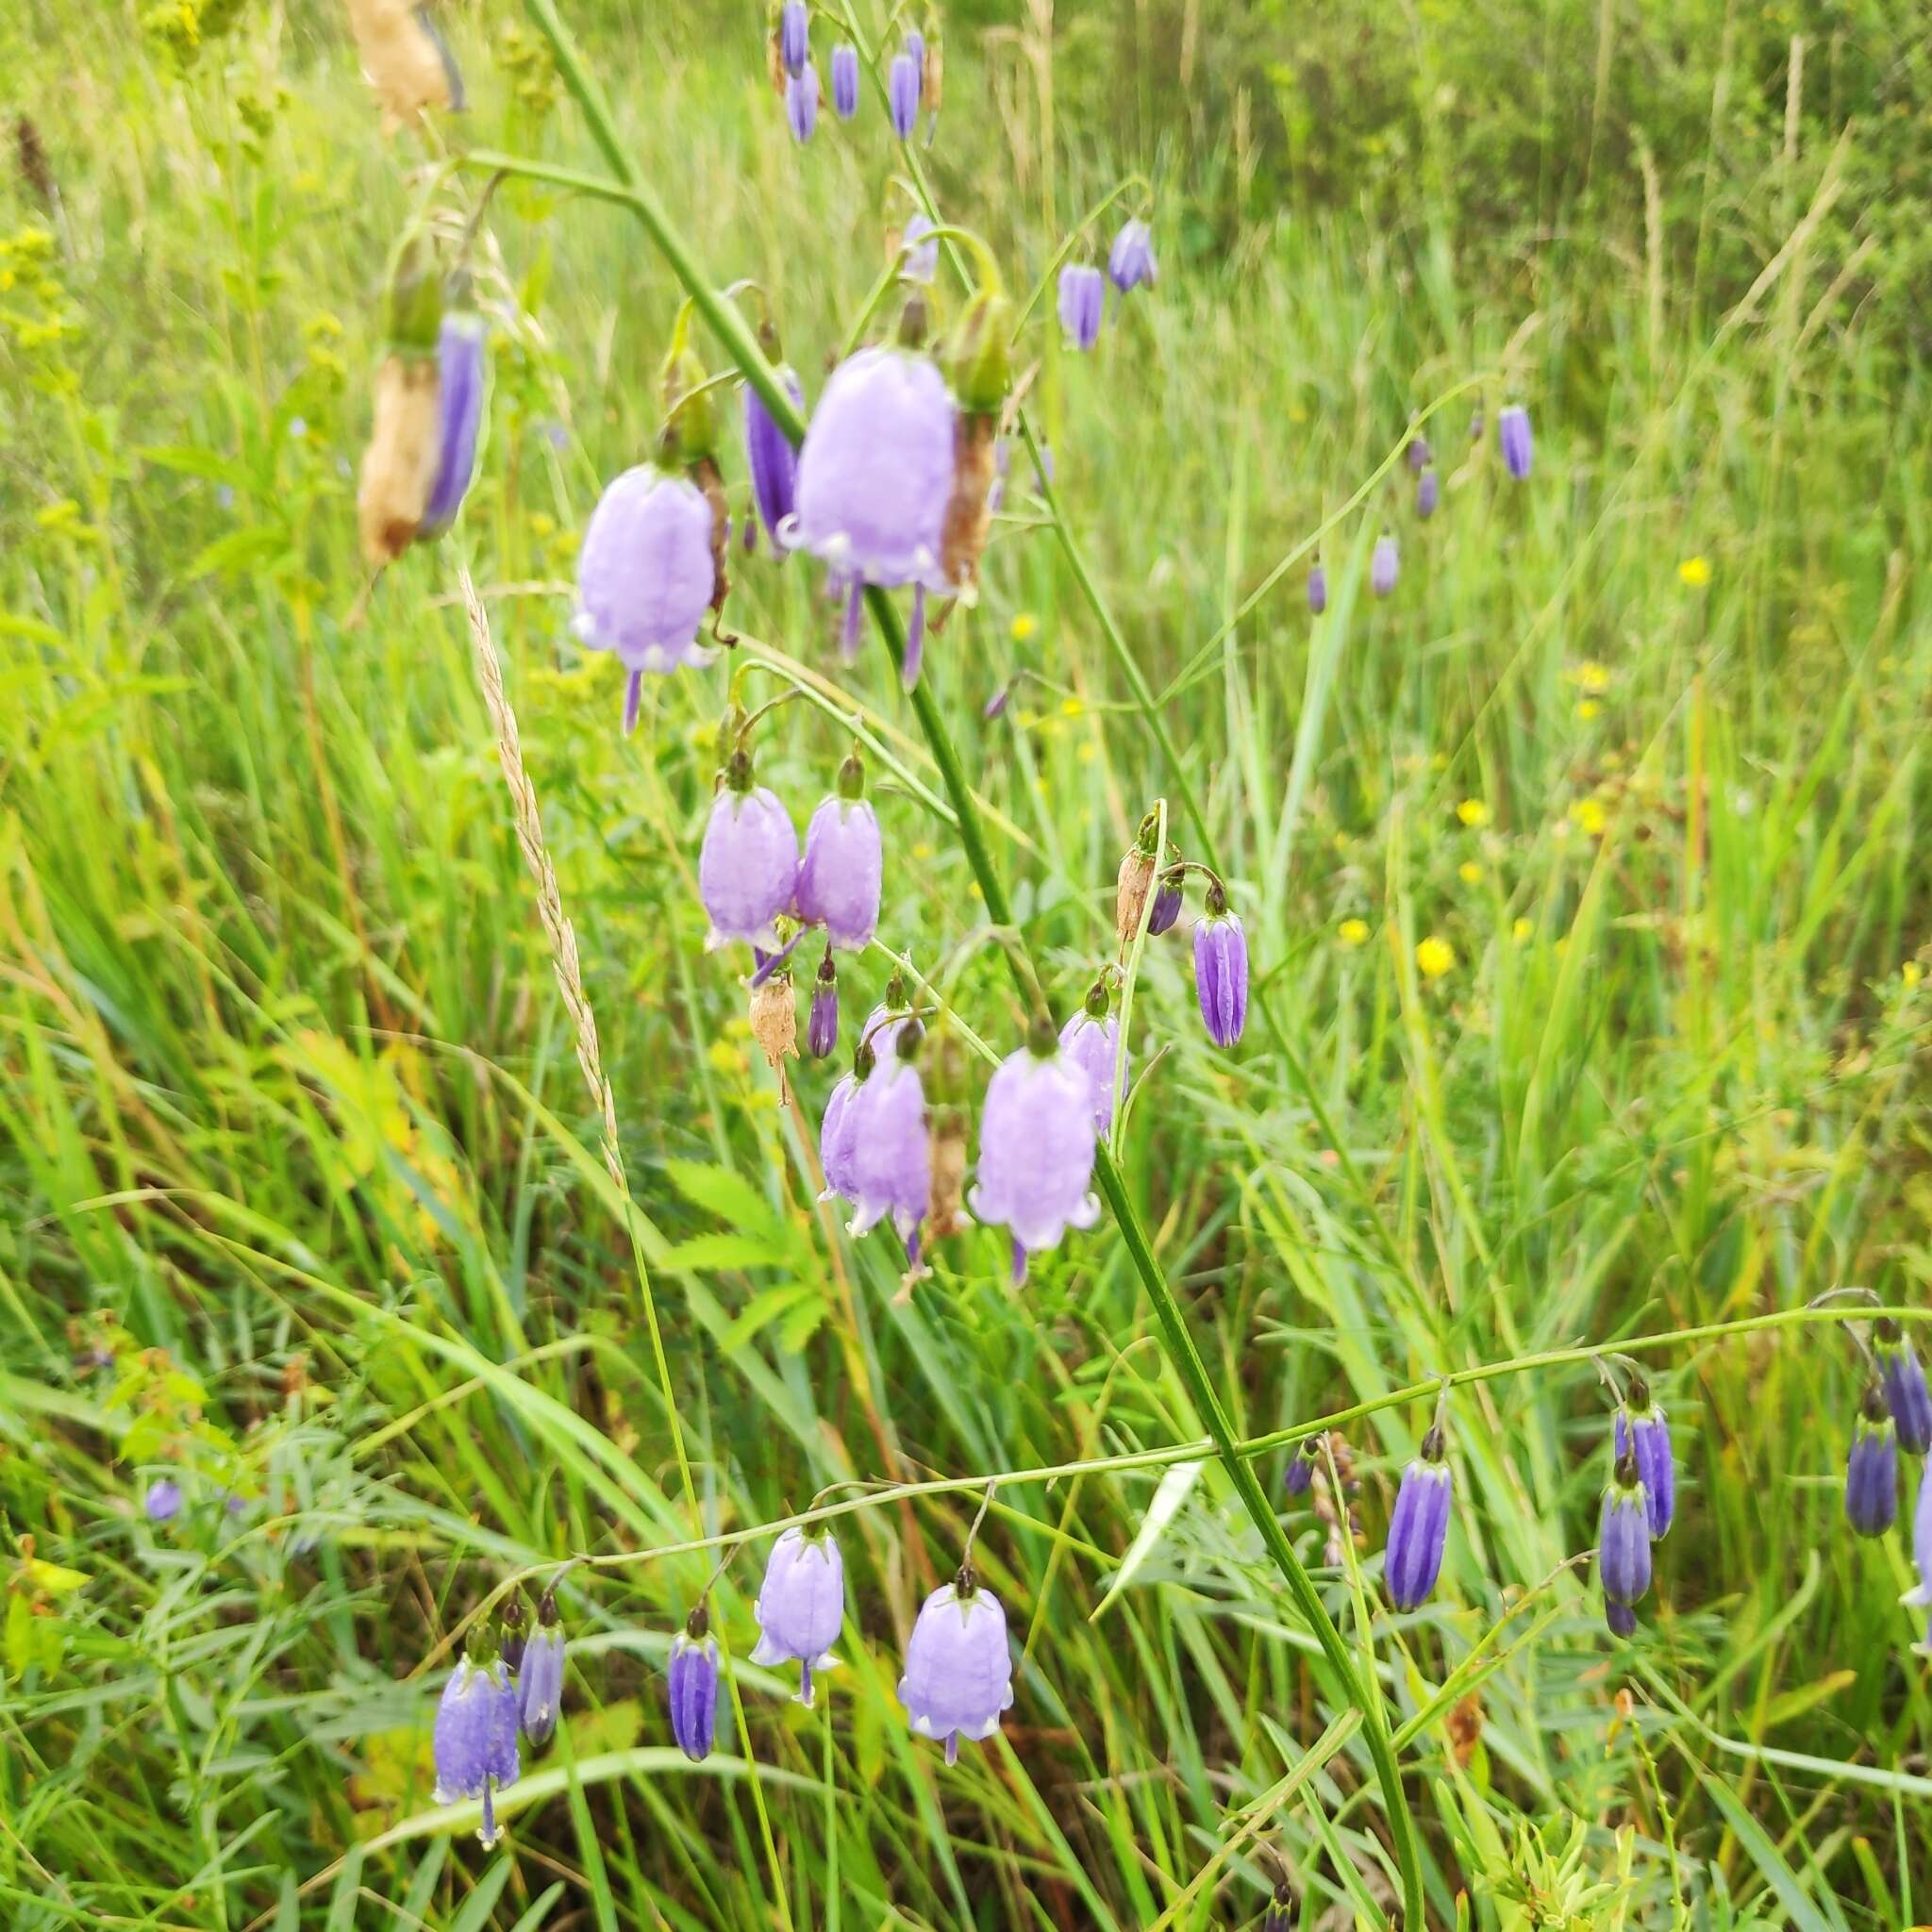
1318,591
1419,1527
1641,1431
845,80
1622,1544
1428,493
1903,1380
795,42
162,1502
512,1633
1167,903
1872,1468
540,1678
822,1028
692,1686
459,365
801,102
1299,1478
1082,300
1130,260
1512,432
1383,565
902,94
1620,1618
1418,453
1220,970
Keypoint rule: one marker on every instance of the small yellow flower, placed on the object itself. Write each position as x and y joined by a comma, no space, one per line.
1470,873
1588,814
1592,676
1023,626
1587,709
1519,931
1694,571
1353,932
921,852
1912,973
1435,957
1088,750
1072,708
1472,811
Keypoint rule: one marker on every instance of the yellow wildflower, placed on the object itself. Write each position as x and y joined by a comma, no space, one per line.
1435,957
1353,932
1023,626
1589,815
1519,931
1694,571
1470,873
1472,811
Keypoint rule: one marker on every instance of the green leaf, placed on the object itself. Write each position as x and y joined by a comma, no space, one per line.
1173,1491
1771,1867
712,1253
241,551
728,1196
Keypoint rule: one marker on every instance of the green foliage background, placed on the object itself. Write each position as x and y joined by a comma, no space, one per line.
303,1191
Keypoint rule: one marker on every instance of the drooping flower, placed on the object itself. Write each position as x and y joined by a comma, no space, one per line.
1419,1527
1622,1542
888,1019
646,576
845,80
1428,493
821,1026
1299,1477
1318,591
748,863
513,1637
914,45
1384,564
1089,1040
1221,969
902,93
794,35
476,1738
539,1675
958,1670
1642,1431
1418,453
404,59
890,1156
1281,1915
1512,433
770,457
162,1502
875,478
1920,1596
919,258
1082,300
801,102
1903,1378
459,418
1167,904
840,879
1872,1468
1036,1148
405,447
835,1141
692,1686
1130,260
801,1605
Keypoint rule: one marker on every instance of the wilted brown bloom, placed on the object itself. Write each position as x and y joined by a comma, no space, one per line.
401,57
399,466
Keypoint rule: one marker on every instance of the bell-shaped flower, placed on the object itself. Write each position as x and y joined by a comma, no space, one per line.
646,576
1903,1380
1130,260
1871,1466
795,31
769,458
1221,969
958,1670
801,102
459,365
1089,1040
845,80
889,1165
1082,300
1037,1136
748,863
1622,1542
840,877
1519,447
692,1686
476,1738
1384,564
902,94
1642,1432
801,1604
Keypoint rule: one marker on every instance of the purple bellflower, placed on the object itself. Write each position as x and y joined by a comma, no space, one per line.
821,1026
163,1501
801,1605
958,1670
1920,1596
748,864
1519,447
476,1738
1167,904
1221,969
1642,1431
1299,1477
1384,564
1622,1542
1872,1468
887,1021
1130,260
1419,1526
691,1684
1620,1618
914,45
1082,300
459,417
835,1141
1036,1148
902,93
874,477
794,35
801,102
845,80
1428,493
919,258
1318,591
1281,1915
771,459
1903,1378
1089,1040
889,1145
540,1676
839,880
646,576
1418,453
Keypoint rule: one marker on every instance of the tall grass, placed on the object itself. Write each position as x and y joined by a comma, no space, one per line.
306,1192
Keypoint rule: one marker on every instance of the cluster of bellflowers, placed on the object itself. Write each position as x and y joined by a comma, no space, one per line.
429,396
914,77
1082,292
1517,447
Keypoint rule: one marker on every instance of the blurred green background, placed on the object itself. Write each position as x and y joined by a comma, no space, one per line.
303,1195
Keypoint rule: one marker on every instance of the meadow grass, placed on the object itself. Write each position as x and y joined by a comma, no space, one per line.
308,1196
